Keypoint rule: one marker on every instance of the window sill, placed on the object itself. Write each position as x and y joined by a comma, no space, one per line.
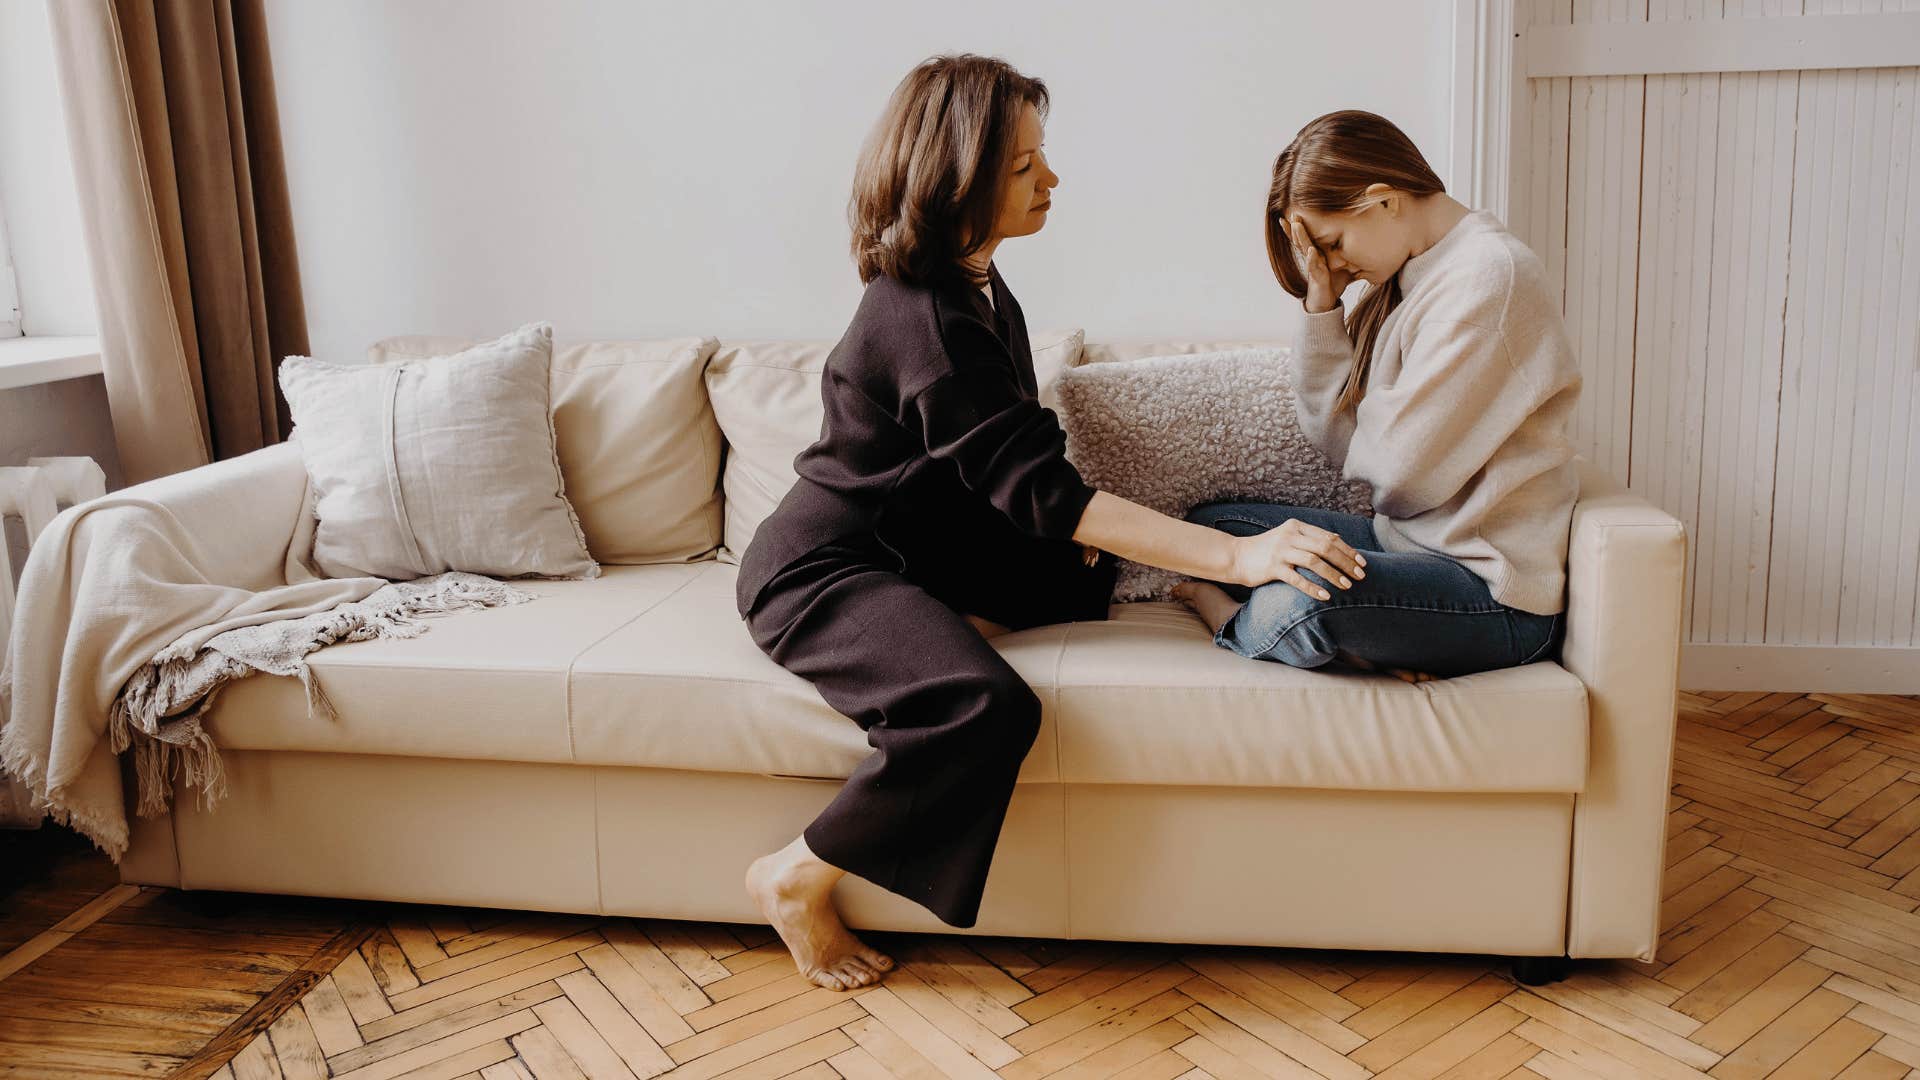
30,361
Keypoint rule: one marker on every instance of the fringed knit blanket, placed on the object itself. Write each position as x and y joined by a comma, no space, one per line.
158,711
135,609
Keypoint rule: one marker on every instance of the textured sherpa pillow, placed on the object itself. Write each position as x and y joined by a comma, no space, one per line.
435,464
1172,432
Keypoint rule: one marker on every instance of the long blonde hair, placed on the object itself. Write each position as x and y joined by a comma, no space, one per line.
1327,168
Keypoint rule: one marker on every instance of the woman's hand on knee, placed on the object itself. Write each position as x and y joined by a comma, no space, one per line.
1279,555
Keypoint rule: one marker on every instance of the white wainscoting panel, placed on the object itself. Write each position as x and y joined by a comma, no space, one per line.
1740,256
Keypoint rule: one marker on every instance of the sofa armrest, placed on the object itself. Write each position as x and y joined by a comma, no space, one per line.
251,515
1626,567
107,585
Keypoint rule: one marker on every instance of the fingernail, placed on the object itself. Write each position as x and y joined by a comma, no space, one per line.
1325,595
1344,583
1361,559
1359,573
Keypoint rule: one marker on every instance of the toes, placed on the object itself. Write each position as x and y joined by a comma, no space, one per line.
855,974
828,979
877,961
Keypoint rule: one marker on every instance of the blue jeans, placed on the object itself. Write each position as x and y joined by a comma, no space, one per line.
1420,611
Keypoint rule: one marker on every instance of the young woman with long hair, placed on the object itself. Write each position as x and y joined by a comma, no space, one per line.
1449,389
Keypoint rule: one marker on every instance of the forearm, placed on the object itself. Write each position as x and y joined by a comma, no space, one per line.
1323,358
1146,536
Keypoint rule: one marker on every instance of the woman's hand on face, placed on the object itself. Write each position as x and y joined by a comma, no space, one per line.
1275,554
1324,286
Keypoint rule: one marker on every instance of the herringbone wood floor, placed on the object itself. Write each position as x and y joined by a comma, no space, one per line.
1790,948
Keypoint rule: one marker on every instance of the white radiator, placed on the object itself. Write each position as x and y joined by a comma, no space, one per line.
34,493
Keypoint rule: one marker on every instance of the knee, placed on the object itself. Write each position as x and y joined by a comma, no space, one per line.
1007,711
1277,605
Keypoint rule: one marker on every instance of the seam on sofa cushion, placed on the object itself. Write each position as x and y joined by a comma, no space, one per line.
573,754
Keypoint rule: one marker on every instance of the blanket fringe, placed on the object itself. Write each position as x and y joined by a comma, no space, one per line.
158,712
319,705
107,834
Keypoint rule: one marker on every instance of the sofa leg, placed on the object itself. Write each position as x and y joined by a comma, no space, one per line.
1539,970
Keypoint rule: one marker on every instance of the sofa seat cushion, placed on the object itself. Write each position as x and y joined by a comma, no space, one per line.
684,687
489,685
1147,698
650,666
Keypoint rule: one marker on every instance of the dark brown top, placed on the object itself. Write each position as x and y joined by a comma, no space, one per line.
931,406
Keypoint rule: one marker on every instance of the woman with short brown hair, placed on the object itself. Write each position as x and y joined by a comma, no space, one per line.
936,510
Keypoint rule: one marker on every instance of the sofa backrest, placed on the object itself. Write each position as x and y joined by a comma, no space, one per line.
639,448
766,396
673,450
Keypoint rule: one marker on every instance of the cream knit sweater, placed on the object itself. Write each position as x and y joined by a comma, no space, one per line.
1463,432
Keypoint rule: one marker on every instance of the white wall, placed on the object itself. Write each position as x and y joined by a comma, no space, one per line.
655,169
36,180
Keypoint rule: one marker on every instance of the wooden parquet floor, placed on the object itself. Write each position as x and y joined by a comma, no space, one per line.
1790,947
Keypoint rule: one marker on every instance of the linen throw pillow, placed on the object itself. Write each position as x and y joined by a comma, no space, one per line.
639,446
1172,432
436,464
766,395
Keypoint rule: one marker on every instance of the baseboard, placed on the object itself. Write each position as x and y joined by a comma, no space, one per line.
1809,668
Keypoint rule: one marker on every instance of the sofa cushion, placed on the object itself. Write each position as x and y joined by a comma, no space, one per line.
437,463
650,666
639,447
486,684
683,686
1147,698
766,395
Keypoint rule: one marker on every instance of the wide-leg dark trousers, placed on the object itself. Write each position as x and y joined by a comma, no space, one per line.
882,635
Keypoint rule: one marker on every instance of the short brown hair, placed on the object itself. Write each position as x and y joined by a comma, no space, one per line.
927,188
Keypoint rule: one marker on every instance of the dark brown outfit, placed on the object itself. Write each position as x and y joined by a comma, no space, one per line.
938,488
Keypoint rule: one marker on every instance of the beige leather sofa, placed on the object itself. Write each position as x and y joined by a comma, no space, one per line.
619,746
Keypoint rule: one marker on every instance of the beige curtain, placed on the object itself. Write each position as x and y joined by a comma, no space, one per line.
176,150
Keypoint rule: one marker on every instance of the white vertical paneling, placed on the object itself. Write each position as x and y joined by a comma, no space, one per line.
1903,528
1831,579
1670,329
1902,535
1877,558
1739,255
1603,200
1742,423
1842,548
1539,208
1747,269
1800,390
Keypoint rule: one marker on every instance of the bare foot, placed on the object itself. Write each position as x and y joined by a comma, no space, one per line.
794,890
1209,601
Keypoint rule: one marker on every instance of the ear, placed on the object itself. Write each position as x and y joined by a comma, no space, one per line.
1386,196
